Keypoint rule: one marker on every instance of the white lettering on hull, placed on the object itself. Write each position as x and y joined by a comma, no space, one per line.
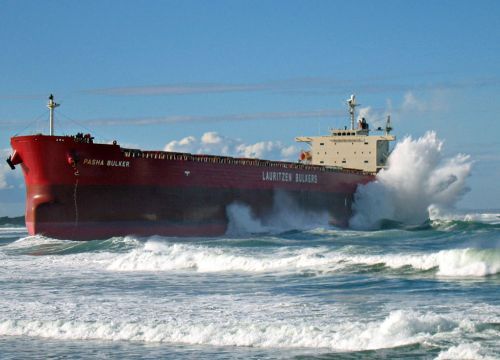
110,163
278,176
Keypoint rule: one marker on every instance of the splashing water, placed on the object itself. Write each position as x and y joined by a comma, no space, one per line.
418,180
285,215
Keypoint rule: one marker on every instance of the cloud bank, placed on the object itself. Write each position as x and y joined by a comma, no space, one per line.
213,143
300,85
218,118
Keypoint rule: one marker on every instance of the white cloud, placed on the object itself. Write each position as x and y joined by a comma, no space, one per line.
5,170
187,141
411,103
434,101
183,145
289,152
211,138
213,143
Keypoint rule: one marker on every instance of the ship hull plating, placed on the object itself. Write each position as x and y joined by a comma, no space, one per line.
81,191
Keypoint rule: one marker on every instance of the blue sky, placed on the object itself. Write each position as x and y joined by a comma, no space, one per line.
152,73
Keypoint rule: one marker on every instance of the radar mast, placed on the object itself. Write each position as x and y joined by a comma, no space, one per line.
352,108
51,105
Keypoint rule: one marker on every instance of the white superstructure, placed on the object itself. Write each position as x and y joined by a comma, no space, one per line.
350,148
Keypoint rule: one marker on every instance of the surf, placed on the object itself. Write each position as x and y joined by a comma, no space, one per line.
418,180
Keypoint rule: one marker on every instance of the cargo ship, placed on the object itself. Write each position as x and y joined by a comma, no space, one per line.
79,189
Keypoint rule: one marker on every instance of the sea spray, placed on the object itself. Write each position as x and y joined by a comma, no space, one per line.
241,221
286,214
418,178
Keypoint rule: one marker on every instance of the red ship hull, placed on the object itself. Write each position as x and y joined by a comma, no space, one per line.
80,190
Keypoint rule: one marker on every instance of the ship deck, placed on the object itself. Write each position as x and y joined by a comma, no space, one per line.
217,159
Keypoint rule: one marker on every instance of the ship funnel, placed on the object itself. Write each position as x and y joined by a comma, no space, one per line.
51,105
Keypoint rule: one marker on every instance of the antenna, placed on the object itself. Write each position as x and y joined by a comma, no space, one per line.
388,126
51,105
352,108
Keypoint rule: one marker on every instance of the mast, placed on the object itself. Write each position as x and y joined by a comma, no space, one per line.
388,126
51,105
352,108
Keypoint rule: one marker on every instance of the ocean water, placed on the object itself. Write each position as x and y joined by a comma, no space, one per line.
411,279
428,291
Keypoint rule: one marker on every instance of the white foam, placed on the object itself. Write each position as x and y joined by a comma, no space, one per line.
159,256
469,262
492,218
418,177
35,240
156,255
455,262
397,329
487,218
16,229
468,351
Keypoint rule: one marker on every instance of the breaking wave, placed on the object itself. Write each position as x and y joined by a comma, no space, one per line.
397,329
159,256
418,292
41,245
464,351
247,256
418,180
473,220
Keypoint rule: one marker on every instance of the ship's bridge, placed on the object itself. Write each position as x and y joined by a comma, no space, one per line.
352,148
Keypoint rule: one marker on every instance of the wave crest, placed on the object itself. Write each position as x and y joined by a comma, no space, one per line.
158,256
397,329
